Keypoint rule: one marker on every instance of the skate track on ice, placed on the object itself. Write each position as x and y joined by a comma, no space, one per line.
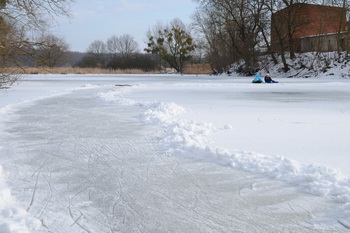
85,165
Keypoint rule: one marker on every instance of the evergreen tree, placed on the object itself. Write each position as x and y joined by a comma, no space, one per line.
172,45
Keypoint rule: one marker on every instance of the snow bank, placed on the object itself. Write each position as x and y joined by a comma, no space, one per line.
13,218
190,139
304,65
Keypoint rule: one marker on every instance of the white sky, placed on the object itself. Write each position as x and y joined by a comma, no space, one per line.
100,19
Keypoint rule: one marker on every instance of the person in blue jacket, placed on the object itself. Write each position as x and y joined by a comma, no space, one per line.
268,79
257,79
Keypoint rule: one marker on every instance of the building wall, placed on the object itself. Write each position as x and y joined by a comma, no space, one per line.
308,20
325,43
321,20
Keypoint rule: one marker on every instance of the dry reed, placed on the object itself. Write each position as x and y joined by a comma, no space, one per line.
198,69
71,70
189,69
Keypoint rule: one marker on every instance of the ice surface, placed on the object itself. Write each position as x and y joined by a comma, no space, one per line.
176,153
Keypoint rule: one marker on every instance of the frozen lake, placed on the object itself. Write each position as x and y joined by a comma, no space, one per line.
177,154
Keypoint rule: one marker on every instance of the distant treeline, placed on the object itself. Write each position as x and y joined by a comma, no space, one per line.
145,62
140,61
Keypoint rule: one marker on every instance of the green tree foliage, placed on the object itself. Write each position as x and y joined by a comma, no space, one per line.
174,46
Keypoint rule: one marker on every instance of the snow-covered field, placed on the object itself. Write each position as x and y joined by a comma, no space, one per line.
174,154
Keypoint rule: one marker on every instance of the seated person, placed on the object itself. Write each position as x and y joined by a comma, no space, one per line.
257,79
268,79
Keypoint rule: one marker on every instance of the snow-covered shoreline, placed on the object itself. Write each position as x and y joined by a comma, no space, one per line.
188,136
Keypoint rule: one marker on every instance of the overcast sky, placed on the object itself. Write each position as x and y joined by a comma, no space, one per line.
100,19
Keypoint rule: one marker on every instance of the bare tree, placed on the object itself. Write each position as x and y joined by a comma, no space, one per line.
124,45
98,50
127,45
231,28
343,43
31,13
10,48
112,45
264,25
18,21
207,25
50,51
278,34
287,18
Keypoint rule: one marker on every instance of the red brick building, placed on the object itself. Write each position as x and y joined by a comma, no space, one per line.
312,28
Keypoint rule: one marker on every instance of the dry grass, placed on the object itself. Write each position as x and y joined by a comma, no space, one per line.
72,70
189,69
198,69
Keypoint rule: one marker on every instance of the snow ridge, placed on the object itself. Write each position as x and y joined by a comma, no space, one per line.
13,218
190,139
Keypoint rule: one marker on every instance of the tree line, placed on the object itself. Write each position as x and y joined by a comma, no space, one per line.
222,32
240,30
118,52
23,34
168,46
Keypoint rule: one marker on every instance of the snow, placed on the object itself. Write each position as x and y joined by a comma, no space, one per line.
69,145
311,64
